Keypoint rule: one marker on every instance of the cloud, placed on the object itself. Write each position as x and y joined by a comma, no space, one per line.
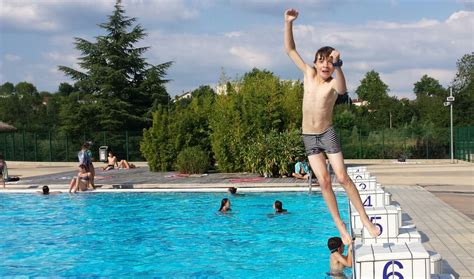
276,7
12,57
26,14
165,10
251,57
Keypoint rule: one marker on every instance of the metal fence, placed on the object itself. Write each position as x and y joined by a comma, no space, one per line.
464,143
355,144
56,147
393,144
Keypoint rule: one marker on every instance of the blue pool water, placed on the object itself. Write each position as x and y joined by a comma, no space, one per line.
165,235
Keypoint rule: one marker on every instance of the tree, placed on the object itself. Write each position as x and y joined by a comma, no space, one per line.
430,96
124,86
65,89
372,89
463,90
7,88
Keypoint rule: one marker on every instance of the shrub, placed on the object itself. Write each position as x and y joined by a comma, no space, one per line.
193,160
269,154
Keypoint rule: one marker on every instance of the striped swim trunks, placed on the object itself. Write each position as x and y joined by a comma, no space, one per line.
324,142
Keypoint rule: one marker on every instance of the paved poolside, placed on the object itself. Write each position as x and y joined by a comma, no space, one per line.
443,228
415,185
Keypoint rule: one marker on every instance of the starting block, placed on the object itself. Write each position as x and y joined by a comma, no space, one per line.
409,260
361,175
386,218
365,184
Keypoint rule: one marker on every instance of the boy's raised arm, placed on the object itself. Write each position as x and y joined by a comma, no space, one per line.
340,80
290,47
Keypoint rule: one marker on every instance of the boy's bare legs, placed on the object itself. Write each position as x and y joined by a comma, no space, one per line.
318,164
337,163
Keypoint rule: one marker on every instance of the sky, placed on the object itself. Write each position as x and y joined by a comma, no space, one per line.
401,40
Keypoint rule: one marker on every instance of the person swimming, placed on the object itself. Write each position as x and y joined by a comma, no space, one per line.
337,261
46,191
225,205
278,206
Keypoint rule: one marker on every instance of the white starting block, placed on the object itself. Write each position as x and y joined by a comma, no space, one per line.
357,169
360,175
409,260
365,184
387,218
373,198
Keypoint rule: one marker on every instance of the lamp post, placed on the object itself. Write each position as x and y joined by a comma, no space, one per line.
449,102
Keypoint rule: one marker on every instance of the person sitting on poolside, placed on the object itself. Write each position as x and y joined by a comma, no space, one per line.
111,162
45,191
82,181
301,169
225,205
337,261
123,164
278,206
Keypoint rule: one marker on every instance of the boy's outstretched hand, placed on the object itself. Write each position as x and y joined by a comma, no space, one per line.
291,15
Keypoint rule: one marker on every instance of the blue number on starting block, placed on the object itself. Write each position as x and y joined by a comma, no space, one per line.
388,275
362,186
368,201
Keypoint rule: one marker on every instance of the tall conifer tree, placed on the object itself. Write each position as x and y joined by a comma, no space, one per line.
124,86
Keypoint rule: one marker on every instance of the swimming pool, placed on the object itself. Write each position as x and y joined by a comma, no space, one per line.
165,235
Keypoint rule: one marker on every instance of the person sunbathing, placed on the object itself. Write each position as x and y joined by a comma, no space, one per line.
124,164
111,162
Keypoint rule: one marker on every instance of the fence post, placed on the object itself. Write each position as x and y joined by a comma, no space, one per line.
383,143
50,147
360,144
23,143
13,143
427,148
67,148
126,145
5,149
36,147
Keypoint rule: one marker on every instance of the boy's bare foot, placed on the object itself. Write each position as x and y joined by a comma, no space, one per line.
374,230
345,236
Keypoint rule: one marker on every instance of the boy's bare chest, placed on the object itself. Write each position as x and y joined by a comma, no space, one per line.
313,90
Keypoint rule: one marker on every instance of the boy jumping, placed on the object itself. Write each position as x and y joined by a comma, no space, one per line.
319,137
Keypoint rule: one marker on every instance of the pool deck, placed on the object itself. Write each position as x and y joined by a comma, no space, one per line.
437,195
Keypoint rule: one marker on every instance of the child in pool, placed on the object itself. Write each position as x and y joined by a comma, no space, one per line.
337,261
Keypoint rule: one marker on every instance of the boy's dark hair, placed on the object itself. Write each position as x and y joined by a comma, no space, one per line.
334,243
45,190
323,52
82,166
233,190
278,205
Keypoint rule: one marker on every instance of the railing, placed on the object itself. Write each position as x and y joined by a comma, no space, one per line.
464,143
57,147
